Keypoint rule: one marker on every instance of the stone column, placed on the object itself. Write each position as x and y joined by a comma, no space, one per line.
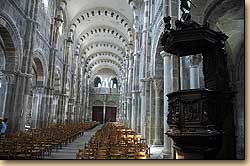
135,92
10,113
36,105
158,135
136,112
104,112
143,108
88,108
164,8
168,87
82,108
78,96
195,71
63,100
145,111
24,85
3,94
143,68
148,84
133,108
151,124
129,110
50,83
129,89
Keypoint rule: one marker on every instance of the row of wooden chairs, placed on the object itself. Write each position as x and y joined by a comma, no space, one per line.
37,143
114,141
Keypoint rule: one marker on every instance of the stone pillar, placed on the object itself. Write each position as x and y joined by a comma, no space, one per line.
135,93
150,110
83,96
158,135
148,113
129,89
151,137
138,111
129,110
64,98
23,103
144,86
88,108
77,116
10,113
51,69
104,112
143,108
36,106
165,8
195,71
133,111
3,94
168,87
145,111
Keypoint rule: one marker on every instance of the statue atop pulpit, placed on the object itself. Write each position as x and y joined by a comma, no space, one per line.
185,6
185,21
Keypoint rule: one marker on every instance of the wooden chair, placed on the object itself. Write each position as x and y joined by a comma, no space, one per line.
141,155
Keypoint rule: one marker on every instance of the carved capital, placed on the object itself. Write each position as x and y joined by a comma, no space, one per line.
165,54
10,78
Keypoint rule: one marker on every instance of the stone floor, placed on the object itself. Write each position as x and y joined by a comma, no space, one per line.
69,151
156,152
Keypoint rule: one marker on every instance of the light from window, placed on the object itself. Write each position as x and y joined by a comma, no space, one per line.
46,4
60,30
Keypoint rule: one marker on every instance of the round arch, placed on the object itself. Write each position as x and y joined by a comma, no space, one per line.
40,62
157,61
113,33
109,13
12,42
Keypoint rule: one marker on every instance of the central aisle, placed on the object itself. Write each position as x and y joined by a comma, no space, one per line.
69,151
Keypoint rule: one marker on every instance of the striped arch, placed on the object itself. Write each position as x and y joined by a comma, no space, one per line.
102,45
12,42
107,31
91,14
104,55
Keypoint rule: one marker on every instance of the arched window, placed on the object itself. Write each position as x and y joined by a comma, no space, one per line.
114,83
61,28
46,5
1,83
97,82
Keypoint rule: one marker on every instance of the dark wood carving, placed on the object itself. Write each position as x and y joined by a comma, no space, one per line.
196,116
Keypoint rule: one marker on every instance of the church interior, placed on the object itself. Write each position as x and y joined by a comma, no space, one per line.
122,79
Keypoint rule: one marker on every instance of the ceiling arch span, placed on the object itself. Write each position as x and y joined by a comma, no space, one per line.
104,55
99,33
102,30
105,61
91,15
102,46
116,69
